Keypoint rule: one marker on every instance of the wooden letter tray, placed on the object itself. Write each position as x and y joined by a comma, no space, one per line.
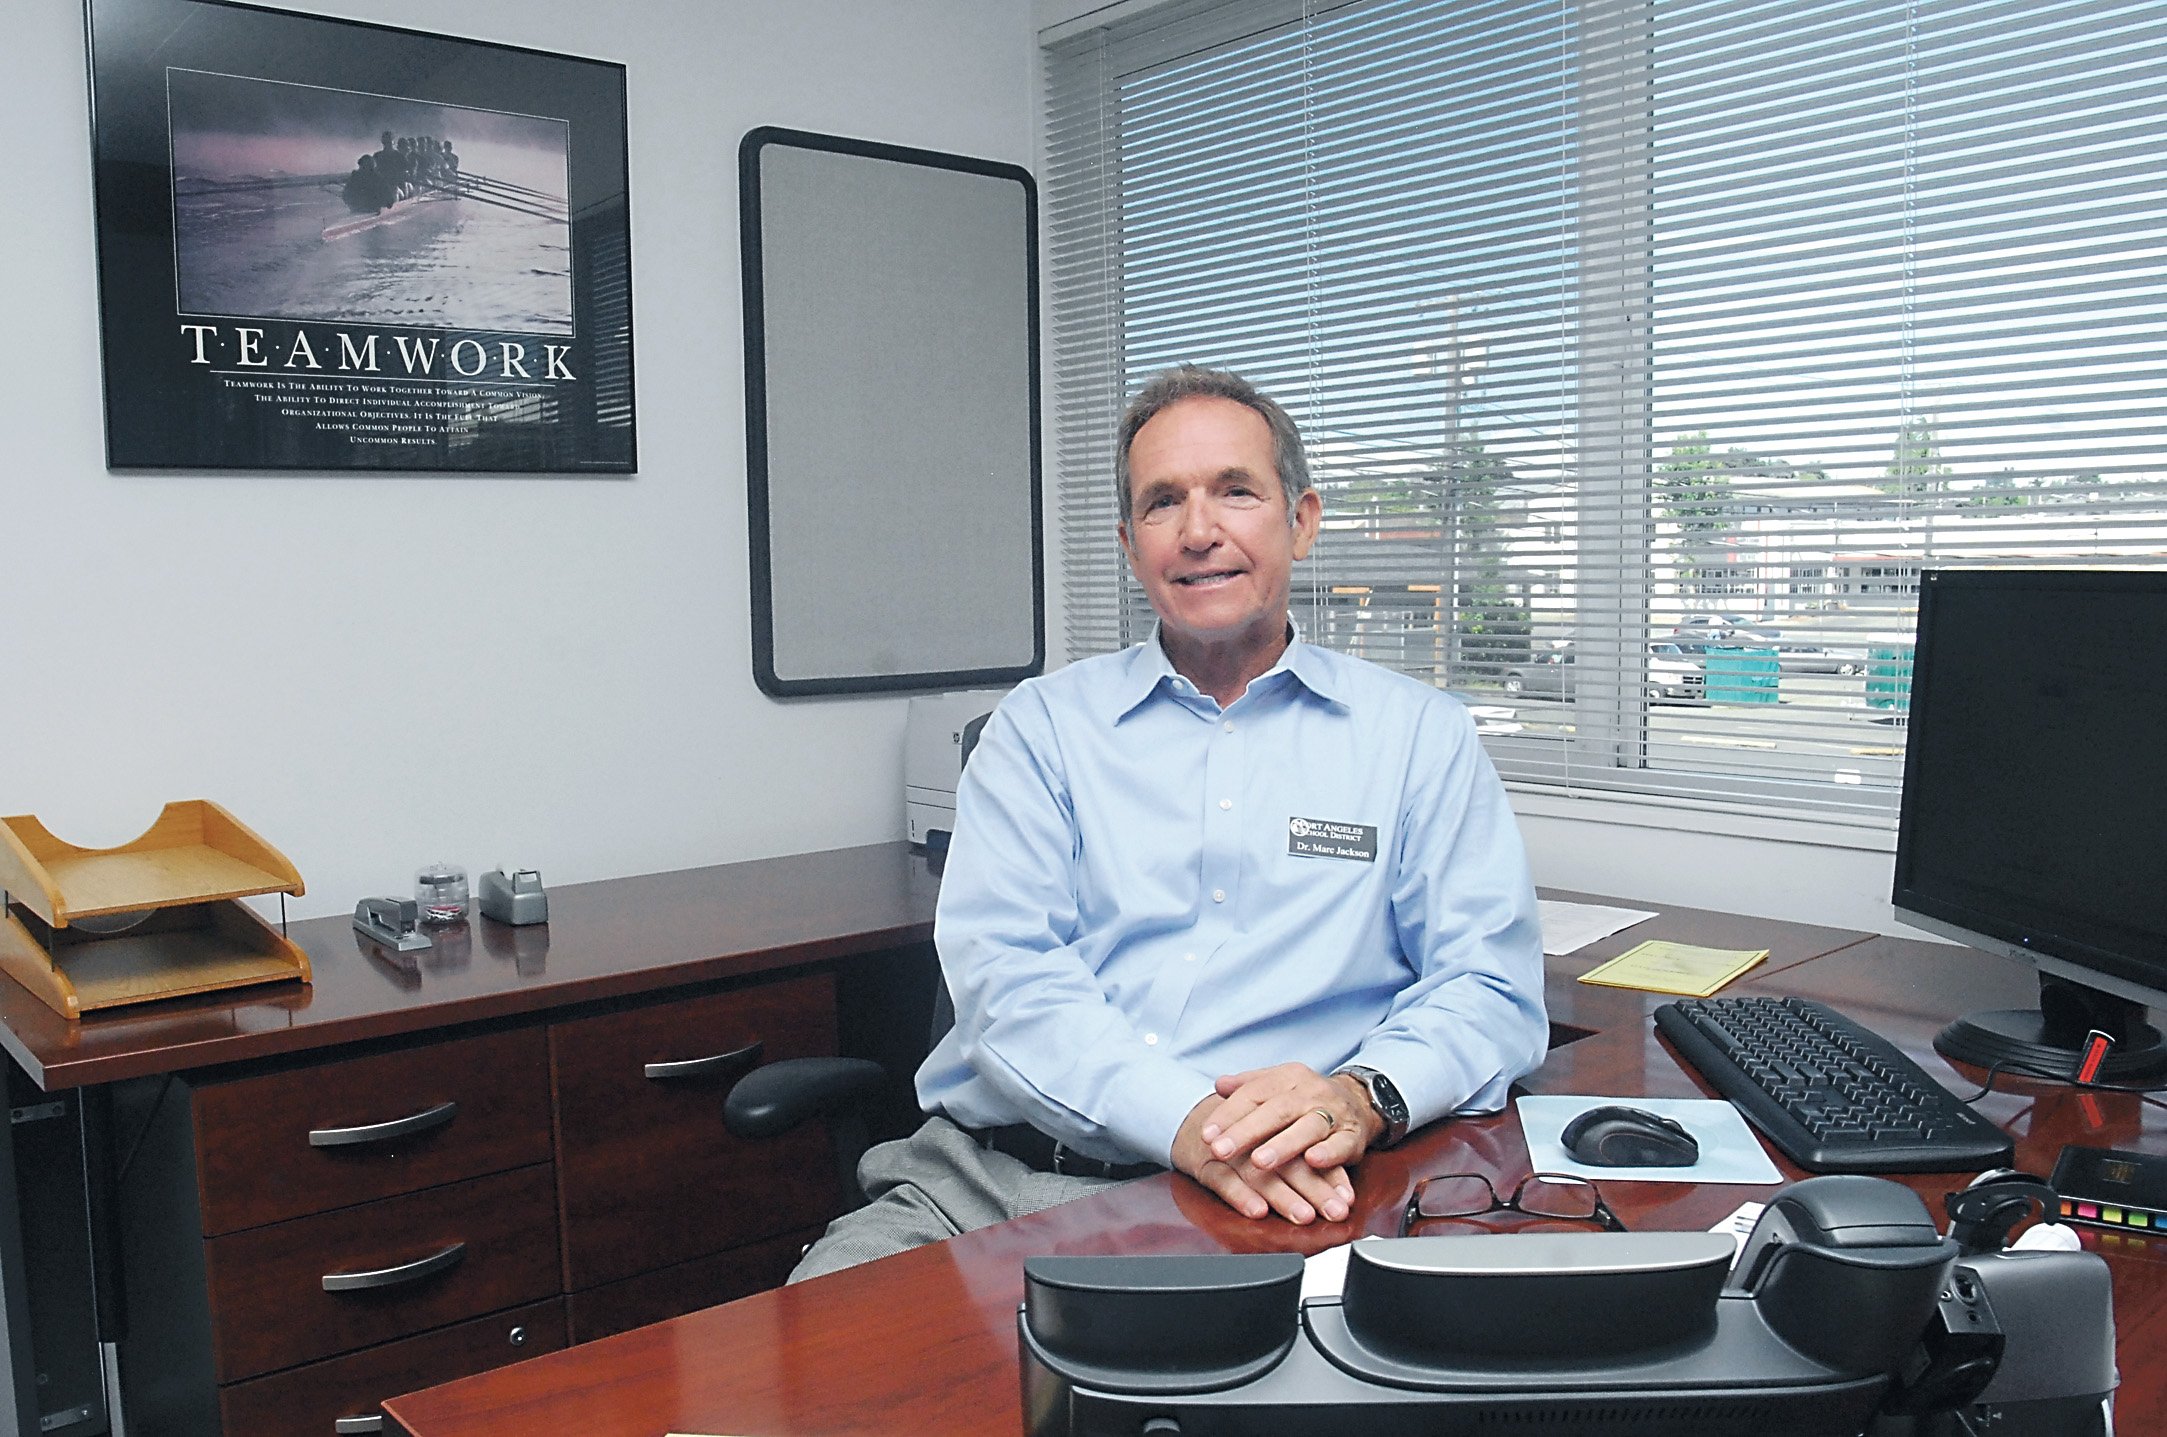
95,927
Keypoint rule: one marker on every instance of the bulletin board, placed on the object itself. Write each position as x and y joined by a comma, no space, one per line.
891,416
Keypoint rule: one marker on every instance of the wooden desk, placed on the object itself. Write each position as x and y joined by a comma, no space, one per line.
925,1342
585,1192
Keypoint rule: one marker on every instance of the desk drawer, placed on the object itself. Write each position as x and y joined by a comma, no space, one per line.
380,1127
689,1286
309,1401
269,1307
649,1175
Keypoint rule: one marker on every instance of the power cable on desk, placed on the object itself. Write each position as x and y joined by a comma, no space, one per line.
2009,1065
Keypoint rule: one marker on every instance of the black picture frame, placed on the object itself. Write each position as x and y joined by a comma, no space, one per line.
462,303
954,577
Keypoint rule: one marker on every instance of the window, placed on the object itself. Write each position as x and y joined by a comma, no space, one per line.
1625,323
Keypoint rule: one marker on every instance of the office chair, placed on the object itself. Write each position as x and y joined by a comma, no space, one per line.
775,1097
771,1100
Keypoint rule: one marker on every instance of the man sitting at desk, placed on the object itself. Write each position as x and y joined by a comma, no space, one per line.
1222,901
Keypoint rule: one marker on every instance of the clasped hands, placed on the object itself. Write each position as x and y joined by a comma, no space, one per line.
1280,1140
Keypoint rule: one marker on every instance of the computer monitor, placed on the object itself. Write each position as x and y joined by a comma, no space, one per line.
2034,818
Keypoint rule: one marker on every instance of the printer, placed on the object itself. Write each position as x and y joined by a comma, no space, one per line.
937,742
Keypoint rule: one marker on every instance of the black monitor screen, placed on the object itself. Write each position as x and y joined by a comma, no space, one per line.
2035,776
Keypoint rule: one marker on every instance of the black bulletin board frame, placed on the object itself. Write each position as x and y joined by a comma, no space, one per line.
770,534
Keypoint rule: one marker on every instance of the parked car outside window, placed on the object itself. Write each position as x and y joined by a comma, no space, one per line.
1673,674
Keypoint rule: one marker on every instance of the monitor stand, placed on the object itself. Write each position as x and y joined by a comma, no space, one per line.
2050,1038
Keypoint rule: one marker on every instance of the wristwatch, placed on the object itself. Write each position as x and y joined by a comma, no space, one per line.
1385,1098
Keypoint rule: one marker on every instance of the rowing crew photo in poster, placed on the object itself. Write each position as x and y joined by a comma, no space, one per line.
299,202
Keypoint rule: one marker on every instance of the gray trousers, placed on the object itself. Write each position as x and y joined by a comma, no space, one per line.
929,1187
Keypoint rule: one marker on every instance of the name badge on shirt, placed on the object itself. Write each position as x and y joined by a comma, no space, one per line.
1322,838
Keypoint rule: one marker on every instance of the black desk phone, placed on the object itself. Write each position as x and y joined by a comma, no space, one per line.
1845,1313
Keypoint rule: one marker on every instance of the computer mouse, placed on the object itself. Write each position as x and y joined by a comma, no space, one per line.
1621,1137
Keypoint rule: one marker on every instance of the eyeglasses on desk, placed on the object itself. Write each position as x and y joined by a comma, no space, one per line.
1457,1202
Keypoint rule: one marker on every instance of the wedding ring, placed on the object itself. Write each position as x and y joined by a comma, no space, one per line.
1331,1124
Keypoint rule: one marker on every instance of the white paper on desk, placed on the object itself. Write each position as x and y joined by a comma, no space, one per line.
1739,1226
1570,927
1729,1152
1324,1274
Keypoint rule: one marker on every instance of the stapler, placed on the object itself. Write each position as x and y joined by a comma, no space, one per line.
514,896
393,922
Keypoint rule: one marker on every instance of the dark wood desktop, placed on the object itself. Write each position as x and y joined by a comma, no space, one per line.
925,1342
622,939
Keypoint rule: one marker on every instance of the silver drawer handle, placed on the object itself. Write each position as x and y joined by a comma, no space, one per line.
420,1122
357,1424
744,1060
394,1276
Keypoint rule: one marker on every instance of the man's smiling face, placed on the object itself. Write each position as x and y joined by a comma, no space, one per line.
1209,538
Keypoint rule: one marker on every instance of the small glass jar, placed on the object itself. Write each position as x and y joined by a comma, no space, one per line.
441,891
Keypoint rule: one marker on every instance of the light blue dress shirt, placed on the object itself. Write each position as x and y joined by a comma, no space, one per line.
1122,918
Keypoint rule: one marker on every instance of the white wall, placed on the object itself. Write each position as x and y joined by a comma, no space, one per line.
375,672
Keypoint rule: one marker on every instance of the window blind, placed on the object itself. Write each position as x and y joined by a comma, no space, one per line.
1645,351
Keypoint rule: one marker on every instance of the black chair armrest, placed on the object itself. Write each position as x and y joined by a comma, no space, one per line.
774,1098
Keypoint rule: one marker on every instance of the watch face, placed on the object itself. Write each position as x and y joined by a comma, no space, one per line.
1383,1096
1381,1093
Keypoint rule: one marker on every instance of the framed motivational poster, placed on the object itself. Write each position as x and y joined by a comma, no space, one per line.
330,245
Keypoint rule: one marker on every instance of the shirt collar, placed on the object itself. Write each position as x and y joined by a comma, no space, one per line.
1149,670
1308,663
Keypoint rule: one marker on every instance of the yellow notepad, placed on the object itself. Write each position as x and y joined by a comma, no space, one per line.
1658,967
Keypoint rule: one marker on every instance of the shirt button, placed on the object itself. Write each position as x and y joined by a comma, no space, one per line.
1228,725
1218,895
1151,1040
1226,803
1188,957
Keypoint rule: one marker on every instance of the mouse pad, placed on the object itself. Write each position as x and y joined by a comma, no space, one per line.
1729,1150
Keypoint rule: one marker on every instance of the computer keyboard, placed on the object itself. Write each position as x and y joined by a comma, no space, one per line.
1835,1097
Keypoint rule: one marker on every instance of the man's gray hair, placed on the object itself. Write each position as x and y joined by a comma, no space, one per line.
1191,381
